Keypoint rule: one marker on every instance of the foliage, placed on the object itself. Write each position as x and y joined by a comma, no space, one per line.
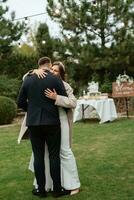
8,110
98,35
106,86
26,50
9,32
18,64
46,45
94,21
9,87
97,38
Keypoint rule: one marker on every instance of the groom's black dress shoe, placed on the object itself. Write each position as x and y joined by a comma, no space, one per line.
38,193
63,192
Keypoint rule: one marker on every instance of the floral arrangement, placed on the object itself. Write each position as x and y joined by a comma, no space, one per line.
124,78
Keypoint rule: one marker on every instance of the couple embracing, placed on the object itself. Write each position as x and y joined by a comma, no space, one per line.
49,101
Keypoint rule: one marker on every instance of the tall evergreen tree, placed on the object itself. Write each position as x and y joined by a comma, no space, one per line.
9,31
97,34
100,21
45,44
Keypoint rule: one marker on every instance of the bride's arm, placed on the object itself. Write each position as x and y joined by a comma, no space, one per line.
70,101
39,72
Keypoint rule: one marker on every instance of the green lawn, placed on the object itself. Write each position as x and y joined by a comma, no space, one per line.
105,158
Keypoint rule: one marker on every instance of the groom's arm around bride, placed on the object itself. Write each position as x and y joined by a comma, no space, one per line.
44,124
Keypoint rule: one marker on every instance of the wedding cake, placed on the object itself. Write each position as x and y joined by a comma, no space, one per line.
93,89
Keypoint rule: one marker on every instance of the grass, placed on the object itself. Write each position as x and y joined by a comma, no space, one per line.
104,155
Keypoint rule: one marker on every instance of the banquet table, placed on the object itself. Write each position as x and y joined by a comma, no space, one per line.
105,109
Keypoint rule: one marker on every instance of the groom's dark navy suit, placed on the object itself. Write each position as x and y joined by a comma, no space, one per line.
43,123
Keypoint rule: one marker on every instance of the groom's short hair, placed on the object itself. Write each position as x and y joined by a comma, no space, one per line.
44,60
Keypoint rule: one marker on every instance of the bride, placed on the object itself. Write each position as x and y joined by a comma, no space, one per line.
69,174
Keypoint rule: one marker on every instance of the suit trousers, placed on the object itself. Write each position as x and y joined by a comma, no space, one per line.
51,134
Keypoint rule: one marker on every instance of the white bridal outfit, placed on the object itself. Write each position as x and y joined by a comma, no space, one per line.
69,173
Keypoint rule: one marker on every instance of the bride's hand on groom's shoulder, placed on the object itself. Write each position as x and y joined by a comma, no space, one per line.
40,73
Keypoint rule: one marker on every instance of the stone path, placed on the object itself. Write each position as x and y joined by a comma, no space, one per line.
16,121
7,125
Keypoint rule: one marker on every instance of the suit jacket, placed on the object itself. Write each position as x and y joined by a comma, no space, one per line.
69,102
40,109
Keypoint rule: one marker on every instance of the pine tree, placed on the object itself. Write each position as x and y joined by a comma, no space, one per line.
46,45
99,21
9,32
96,33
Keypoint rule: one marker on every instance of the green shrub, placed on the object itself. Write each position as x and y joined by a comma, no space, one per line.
8,109
106,87
9,87
17,65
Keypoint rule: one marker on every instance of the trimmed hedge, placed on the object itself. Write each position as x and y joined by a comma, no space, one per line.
8,110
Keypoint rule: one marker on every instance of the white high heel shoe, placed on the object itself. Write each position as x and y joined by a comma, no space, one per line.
76,191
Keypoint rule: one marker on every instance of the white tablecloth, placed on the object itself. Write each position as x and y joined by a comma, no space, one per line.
105,109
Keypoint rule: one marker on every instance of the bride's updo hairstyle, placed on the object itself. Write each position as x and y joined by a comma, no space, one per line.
61,69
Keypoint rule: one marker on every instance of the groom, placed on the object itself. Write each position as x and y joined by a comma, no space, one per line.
44,125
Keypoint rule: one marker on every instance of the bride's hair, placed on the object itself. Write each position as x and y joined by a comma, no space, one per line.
61,69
